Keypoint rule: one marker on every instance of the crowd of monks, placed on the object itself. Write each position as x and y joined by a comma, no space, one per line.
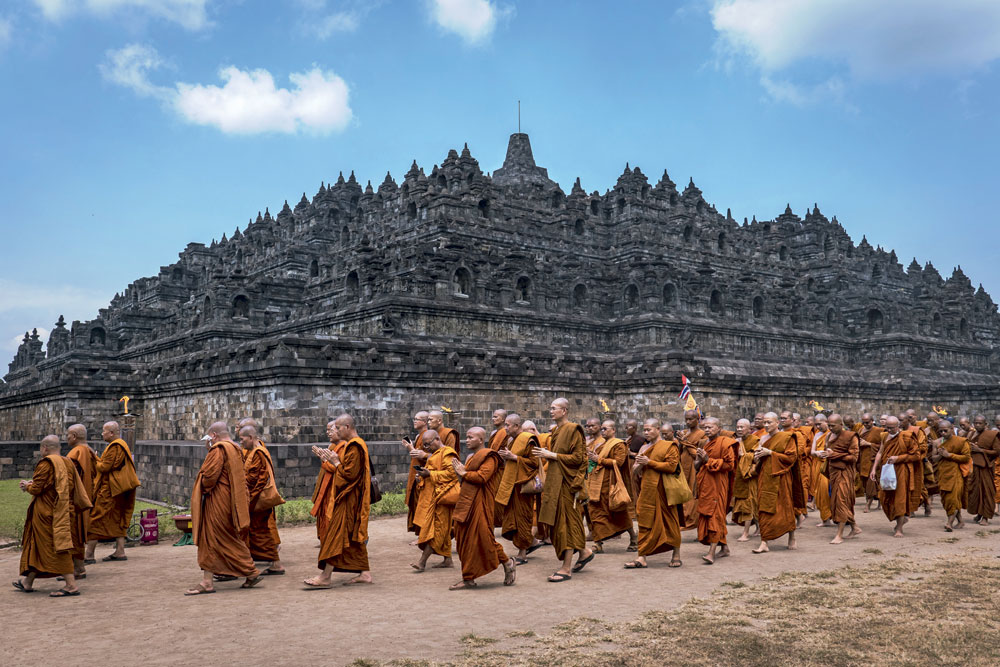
570,489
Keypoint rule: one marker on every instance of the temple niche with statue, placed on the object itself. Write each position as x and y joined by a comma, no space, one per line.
474,291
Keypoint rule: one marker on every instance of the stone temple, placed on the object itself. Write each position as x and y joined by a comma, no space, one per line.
474,291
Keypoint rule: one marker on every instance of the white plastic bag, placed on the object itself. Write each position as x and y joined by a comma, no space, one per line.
888,479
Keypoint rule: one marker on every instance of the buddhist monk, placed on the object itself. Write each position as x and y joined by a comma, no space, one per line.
691,438
477,549
437,493
951,453
984,444
220,514
658,518
449,436
633,438
745,480
262,498
996,427
820,484
841,457
85,460
50,530
787,423
345,545
323,494
871,439
964,427
898,449
417,458
565,492
114,495
542,530
714,461
498,436
519,475
611,453
758,426
779,490
923,473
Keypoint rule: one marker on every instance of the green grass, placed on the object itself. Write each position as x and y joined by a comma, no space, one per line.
14,504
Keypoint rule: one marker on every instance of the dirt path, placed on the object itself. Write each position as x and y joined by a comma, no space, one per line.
134,613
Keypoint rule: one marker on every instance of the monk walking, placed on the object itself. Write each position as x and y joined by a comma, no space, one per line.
658,518
984,444
779,490
951,453
417,459
871,439
714,463
262,498
449,436
323,494
85,460
518,488
437,493
220,514
478,551
344,546
114,495
564,492
50,530
820,484
607,522
787,424
691,438
498,436
745,480
898,449
841,457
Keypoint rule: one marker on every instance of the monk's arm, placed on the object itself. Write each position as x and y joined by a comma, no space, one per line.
724,464
669,463
351,467
328,467
577,456
483,473
257,476
211,469
619,454
112,459
964,455
912,454
447,474
42,479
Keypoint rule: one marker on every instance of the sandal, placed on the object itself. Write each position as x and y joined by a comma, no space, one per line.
272,573
558,577
63,593
675,563
250,583
89,561
632,546
520,561
224,577
635,565
313,587
199,590
580,564
21,587
534,547
112,557
462,585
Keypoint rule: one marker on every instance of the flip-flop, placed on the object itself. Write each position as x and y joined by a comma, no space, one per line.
112,557
224,577
19,586
559,577
520,561
250,583
534,547
580,564
707,561
272,573
89,561
75,576
199,590
63,593
632,547
635,565
463,585
675,563
317,587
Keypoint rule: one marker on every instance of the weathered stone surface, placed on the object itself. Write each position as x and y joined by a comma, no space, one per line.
460,289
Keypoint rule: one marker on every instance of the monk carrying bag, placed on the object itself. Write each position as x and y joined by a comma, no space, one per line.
618,499
534,485
887,480
676,487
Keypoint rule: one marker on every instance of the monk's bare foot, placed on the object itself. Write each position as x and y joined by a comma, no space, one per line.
743,538
443,564
724,552
509,572
708,559
897,533
762,549
837,540
417,566
363,578
414,543
792,544
927,510
855,531
317,582
462,585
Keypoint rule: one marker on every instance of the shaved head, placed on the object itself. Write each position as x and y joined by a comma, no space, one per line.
652,421
562,403
50,444
219,429
249,421
345,420
113,427
79,430
530,427
249,430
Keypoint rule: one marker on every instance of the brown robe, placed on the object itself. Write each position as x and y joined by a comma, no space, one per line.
114,493
51,531
869,444
85,460
745,483
806,459
518,508
713,490
433,517
841,469
689,442
802,446
659,523
410,497
819,481
951,480
779,490
982,490
604,523
449,438
564,493
263,537
897,503
497,440
542,530
322,497
220,513
477,549
920,490
345,544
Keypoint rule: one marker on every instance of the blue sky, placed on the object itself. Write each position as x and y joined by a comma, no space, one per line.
132,127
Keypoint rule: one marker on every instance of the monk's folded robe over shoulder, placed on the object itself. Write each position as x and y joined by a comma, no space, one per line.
114,493
85,460
322,498
951,480
897,503
982,492
689,444
263,537
841,469
410,495
605,524
220,513
432,516
564,492
477,549
713,490
745,483
518,508
779,490
659,522
344,547
51,532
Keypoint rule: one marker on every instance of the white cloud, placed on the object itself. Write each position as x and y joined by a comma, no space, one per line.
322,21
23,306
473,20
783,90
248,102
15,342
874,40
6,30
190,14
347,21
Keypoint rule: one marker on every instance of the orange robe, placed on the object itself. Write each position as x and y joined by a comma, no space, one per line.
85,460
819,484
841,469
518,508
982,490
263,537
50,530
869,443
497,440
713,490
114,493
689,442
344,546
604,523
564,493
220,513
410,497
477,549
951,480
432,516
897,503
779,490
802,449
659,523
745,483
542,530
806,459
322,497
919,491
